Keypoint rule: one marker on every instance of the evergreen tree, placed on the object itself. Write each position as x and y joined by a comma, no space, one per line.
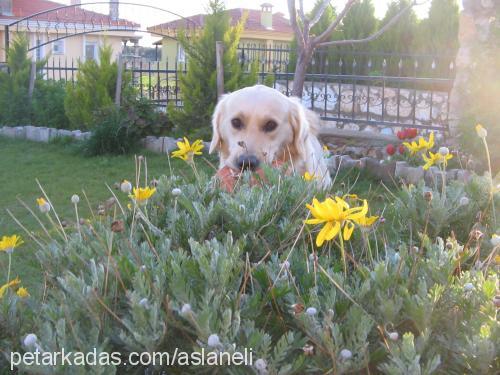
94,89
198,85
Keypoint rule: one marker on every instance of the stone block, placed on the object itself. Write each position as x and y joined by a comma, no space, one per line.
381,171
64,133
42,135
31,132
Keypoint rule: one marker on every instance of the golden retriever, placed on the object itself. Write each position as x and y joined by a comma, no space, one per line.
258,124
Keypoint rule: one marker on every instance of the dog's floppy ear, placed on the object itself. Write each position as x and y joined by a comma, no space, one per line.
216,120
300,126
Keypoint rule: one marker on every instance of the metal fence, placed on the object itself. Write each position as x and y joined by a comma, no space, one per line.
356,89
353,89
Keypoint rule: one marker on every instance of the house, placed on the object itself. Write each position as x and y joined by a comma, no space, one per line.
262,29
65,22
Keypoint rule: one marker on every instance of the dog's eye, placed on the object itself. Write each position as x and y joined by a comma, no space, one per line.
237,124
270,126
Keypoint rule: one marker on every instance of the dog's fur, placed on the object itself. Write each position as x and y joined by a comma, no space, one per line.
293,141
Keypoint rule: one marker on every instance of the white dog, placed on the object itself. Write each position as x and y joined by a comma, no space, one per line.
260,125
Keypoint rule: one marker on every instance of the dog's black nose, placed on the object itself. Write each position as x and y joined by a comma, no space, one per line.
247,162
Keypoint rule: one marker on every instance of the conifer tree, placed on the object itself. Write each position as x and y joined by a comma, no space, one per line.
198,85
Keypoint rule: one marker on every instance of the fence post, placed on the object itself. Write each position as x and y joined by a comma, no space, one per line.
219,60
32,79
119,79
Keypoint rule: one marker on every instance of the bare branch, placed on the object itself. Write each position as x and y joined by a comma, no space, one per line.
375,35
324,35
293,22
319,13
301,11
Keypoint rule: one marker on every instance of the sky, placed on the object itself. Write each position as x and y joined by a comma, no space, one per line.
148,17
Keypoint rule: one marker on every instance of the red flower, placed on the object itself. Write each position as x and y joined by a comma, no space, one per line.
401,149
412,133
390,149
400,135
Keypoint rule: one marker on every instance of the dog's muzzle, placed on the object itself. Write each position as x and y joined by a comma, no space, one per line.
244,162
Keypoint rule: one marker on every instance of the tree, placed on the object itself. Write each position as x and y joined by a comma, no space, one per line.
94,89
198,85
307,42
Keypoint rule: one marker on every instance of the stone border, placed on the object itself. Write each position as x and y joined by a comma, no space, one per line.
395,171
384,170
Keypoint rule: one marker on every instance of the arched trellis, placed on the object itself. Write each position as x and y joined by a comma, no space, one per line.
72,20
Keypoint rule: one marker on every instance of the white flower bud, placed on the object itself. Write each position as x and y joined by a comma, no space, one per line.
213,340
444,151
176,192
186,309
394,336
468,287
311,311
345,354
44,208
30,340
242,207
126,187
464,201
143,268
286,265
144,303
495,240
261,364
75,199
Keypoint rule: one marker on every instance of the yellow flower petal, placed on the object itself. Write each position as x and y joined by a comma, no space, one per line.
348,229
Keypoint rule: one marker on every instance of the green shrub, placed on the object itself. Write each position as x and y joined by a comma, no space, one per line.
15,106
94,89
48,105
203,262
146,118
113,134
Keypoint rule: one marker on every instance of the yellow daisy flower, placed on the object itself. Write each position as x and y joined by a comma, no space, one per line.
10,284
43,205
309,176
436,158
187,151
141,195
336,215
422,145
8,244
22,292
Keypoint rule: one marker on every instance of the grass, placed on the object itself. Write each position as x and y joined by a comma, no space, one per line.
62,172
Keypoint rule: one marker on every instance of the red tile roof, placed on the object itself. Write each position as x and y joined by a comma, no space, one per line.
280,23
25,8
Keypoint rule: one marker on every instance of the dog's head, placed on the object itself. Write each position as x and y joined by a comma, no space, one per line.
258,125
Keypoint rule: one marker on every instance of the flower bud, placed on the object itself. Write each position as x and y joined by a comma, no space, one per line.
468,287
186,309
213,340
75,199
345,354
444,151
30,340
496,301
481,132
464,201
261,365
393,336
176,192
126,187
311,311
428,195
144,303
495,240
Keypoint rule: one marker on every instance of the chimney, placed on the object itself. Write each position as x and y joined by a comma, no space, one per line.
266,15
6,7
114,12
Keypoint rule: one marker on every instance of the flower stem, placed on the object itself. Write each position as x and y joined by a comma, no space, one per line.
492,198
342,251
8,270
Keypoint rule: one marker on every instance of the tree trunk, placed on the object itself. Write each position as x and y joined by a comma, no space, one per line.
303,58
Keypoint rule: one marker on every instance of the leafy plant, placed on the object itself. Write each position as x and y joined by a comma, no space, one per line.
198,85
48,104
94,89
113,134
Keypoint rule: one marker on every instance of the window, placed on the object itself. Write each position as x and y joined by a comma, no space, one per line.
181,54
39,50
58,47
90,51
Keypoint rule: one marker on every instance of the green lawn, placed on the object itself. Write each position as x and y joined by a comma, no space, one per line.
62,171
